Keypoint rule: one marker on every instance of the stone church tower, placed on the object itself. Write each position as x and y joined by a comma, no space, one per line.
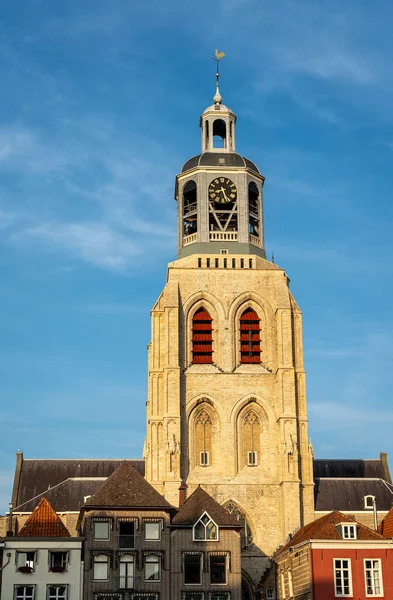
227,394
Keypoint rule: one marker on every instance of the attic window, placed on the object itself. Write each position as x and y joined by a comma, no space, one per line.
369,502
348,531
205,529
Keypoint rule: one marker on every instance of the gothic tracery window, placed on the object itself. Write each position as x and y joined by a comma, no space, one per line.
203,439
251,439
202,341
250,337
246,533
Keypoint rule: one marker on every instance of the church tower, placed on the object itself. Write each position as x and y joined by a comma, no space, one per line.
226,395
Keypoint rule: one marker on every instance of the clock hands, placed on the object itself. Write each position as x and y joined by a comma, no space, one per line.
225,196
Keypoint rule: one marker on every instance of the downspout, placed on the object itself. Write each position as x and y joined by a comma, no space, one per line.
8,562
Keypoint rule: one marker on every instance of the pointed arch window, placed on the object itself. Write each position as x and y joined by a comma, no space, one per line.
205,529
250,337
246,533
202,339
251,439
203,439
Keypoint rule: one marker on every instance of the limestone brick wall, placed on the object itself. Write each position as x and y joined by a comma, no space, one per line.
275,494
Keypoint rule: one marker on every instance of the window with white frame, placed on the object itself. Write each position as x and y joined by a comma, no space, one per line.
252,460
127,572
100,567
204,458
58,561
153,531
56,592
152,567
24,592
205,529
108,596
144,596
219,596
193,596
348,531
101,530
369,502
270,594
342,577
25,560
373,577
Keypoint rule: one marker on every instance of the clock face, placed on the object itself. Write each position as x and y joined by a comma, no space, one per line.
222,190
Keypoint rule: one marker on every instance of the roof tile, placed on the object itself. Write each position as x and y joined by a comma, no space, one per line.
127,488
325,528
200,502
386,527
44,522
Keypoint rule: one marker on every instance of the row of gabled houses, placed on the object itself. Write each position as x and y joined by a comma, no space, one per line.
129,543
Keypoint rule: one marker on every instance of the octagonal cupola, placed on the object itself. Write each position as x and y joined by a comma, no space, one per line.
219,192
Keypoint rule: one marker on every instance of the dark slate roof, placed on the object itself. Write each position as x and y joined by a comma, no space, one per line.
69,495
38,475
325,528
127,488
44,522
348,493
200,502
214,159
348,468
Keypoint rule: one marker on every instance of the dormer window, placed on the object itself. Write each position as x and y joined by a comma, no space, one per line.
348,531
205,529
369,502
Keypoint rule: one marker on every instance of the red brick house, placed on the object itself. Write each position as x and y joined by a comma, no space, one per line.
335,557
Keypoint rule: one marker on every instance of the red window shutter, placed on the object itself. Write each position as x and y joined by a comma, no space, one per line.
250,337
202,338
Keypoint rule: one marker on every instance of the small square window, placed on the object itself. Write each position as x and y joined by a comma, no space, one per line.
101,530
204,458
223,251
252,458
152,531
58,561
24,592
57,592
348,531
369,502
270,594
25,561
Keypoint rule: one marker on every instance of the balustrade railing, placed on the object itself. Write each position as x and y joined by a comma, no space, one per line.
189,239
226,236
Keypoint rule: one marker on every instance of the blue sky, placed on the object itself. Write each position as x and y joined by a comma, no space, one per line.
99,109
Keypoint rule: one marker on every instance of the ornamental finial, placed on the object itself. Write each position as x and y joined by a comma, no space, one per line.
217,96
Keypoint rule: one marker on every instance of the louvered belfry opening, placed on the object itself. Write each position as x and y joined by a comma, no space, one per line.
250,337
202,328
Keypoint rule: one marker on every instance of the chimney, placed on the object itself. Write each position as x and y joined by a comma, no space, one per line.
385,466
182,493
10,533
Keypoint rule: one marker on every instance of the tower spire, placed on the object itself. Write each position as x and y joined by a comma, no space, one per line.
217,99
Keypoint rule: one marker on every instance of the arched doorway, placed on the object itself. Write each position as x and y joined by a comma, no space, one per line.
247,587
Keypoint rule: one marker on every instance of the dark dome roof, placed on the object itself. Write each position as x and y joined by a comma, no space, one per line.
215,159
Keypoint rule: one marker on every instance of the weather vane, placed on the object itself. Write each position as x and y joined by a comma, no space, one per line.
218,56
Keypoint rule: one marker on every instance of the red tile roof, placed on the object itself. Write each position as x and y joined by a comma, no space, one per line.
44,522
386,527
325,528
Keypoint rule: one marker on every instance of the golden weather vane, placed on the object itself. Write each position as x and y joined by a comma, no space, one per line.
218,56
